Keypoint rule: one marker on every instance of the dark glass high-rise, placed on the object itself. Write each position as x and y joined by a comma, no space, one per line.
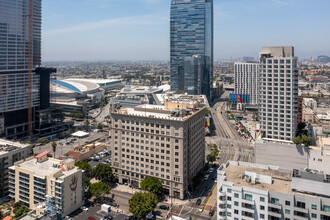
191,30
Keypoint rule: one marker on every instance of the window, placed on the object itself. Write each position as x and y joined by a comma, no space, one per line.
236,195
326,208
262,216
301,204
229,190
229,214
228,206
262,207
262,199
314,215
314,207
248,197
287,211
228,198
287,203
274,201
236,211
236,203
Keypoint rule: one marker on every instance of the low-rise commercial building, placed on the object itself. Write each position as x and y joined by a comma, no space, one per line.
10,152
31,180
166,142
254,191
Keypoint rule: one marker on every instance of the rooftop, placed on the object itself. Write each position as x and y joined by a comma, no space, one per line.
235,173
158,111
8,146
141,90
45,168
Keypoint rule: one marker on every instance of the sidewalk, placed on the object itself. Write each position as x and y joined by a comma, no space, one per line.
132,191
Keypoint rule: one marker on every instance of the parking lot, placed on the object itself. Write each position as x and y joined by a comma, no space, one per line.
106,159
96,213
63,147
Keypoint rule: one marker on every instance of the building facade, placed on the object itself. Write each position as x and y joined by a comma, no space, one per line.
31,180
10,152
191,30
159,141
279,93
254,191
247,80
14,65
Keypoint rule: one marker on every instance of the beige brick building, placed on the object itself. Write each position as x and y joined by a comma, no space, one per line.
153,140
32,179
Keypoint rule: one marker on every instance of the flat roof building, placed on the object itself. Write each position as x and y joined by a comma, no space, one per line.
31,180
10,152
254,191
160,141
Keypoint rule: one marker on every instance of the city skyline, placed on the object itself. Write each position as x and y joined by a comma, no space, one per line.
139,30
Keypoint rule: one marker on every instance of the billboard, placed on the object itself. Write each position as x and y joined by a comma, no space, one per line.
239,98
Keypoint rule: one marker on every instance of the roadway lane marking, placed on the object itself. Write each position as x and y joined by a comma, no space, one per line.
214,204
210,197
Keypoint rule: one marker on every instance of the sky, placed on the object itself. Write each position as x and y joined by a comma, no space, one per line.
121,30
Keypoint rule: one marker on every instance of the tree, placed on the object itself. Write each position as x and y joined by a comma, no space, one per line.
54,145
87,182
307,141
152,184
297,140
207,112
211,158
142,203
20,209
100,126
84,165
304,139
103,172
42,140
301,126
99,189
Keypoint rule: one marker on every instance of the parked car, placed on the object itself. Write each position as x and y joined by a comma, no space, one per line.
209,193
84,208
211,213
198,202
164,207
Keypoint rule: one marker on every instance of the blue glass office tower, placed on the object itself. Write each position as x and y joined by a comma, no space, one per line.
14,65
192,38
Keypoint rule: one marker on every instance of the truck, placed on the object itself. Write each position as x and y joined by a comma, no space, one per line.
105,208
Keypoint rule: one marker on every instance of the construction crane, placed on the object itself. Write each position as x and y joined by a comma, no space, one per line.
30,67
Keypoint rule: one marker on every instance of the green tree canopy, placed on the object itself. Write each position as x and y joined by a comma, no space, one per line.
103,172
42,140
142,203
152,184
100,126
99,189
20,209
304,139
84,165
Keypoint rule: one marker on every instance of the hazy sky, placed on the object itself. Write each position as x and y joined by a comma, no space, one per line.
80,30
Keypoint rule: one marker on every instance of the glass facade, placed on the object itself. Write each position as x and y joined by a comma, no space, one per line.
191,30
14,36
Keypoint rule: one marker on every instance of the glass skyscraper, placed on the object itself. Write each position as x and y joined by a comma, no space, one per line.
192,40
14,64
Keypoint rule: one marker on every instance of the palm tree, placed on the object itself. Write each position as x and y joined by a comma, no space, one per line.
54,145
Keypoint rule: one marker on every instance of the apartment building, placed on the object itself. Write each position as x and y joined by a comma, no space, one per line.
247,80
166,142
279,93
254,191
31,180
10,152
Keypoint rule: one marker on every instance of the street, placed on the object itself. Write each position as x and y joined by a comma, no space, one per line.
231,144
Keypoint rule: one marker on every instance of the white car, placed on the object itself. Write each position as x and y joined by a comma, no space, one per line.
84,208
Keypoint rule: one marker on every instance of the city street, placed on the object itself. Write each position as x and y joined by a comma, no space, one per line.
231,144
